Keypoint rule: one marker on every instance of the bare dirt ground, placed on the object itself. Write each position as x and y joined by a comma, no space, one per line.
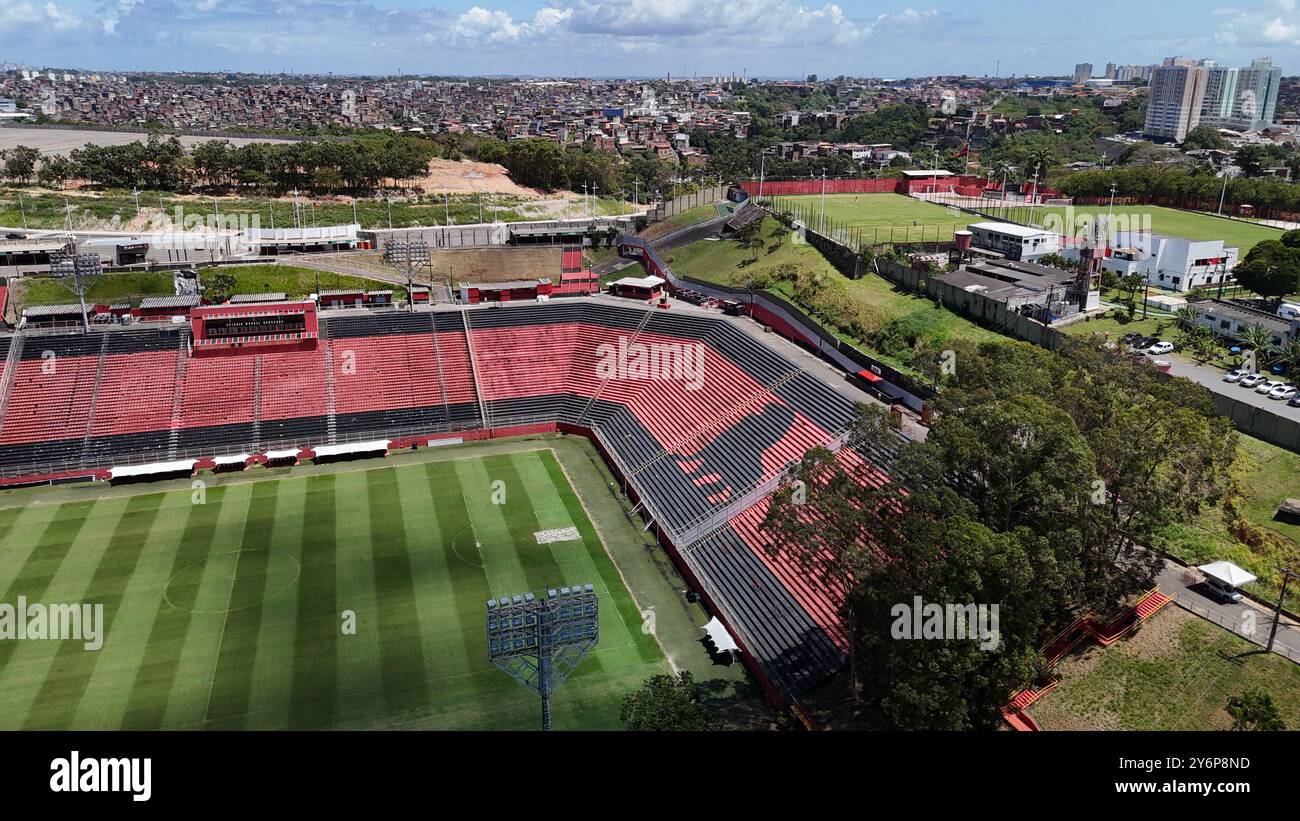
467,177
480,264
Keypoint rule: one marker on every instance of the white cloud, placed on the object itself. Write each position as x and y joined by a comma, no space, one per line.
482,25
725,23
35,19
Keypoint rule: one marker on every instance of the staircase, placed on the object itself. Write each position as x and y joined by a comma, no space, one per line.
696,435
10,375
94,399
645,320
178,393
442,382
473,366
331,419
257,402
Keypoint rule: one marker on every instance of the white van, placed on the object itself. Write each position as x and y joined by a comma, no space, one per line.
1288,310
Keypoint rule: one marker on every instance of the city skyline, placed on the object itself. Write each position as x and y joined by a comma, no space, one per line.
599,38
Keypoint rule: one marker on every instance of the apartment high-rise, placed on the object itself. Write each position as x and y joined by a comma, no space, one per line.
1082,72
1176,98
1244,99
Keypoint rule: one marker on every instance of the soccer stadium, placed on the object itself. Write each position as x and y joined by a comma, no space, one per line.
293,517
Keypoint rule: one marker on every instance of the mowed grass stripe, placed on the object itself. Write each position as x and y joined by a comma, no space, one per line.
31,661
313,695
8,517
147,704
232,677
65,684
401,643
18,545
34,578
486,539
104,703
539,566
360,673
272,681
467,581
614,599
213,579
434,600
542,569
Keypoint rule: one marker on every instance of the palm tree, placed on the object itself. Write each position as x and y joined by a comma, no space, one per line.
1260,340
1289,355
1188,316
1040,158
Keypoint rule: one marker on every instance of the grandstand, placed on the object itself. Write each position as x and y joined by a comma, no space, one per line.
697,463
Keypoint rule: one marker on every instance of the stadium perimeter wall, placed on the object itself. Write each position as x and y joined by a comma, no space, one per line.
795,188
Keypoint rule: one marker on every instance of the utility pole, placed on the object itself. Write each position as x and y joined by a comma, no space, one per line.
22,208
1033,196
1287,574
762,167
1223,193
1110,214
821,220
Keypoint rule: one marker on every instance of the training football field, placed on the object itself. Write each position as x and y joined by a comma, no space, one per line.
231,613
880,218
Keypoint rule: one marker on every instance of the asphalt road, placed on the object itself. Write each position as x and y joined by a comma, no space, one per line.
1248,619
1212,378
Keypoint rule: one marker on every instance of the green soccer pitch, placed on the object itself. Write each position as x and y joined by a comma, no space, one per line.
881,218
230,614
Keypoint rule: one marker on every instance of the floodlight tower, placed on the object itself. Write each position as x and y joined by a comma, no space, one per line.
81,270
409,253
539,642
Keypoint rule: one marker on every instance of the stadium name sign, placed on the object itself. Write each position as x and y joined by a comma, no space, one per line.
946,622
652,362
77,774
59,622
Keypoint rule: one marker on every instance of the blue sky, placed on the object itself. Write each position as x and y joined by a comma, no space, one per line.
647,37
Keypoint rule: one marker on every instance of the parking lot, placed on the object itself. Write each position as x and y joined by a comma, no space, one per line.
1212,378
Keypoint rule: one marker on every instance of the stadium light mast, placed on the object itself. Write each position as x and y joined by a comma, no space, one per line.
81,270
540,641
409,253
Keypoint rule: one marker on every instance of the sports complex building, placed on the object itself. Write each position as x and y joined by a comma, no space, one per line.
278,382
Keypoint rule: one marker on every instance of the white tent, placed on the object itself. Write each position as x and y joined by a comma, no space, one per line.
721,639
1228,573
125,471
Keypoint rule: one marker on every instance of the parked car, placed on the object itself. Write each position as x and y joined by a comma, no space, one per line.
1161,347
1224,592
1235,375
1268,385
1284,392
1251,380
1294,401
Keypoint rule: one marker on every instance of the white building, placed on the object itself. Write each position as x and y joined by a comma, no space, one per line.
1014,241
1171,263
1243,99
1176,98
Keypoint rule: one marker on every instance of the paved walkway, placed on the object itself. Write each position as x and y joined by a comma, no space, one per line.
1247,618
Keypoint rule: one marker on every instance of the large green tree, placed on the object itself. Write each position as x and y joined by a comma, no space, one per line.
1270,269
666,702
